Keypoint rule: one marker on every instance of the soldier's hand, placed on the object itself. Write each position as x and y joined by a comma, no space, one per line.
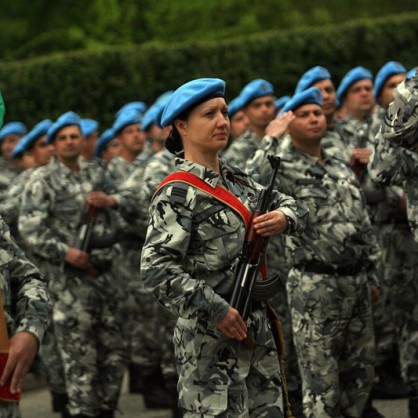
278,126
23,348
362,155
77,258
232,325
375,293
271,223
101,200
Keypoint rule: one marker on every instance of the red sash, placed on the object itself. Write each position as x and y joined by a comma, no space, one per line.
219,193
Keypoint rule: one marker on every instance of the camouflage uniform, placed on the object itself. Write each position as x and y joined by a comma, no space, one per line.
242,149
394,162
48,351
25,298
7,174
85,308
328,285
187,262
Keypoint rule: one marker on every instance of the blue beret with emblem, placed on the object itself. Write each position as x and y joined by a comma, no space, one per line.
13,128
411,72
354,75
139,107
104,139
126,118
190,94
256,89
280,102
310,96
311,77
234,106
66,119
388,70
27,142
89,126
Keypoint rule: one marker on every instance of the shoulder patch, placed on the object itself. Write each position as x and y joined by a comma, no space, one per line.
178,192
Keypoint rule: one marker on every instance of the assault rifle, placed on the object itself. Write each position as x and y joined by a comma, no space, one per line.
251,258
85,228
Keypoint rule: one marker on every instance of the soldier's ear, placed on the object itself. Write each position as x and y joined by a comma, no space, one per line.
181,126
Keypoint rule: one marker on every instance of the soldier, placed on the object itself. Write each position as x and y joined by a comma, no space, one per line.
108,146
10,135
257,100
334,265
238,119
90,131
192,243
26,309
85,294
394,162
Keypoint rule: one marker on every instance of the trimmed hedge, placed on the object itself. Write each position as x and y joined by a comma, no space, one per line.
96,84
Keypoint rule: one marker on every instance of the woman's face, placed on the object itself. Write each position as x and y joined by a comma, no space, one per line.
207,127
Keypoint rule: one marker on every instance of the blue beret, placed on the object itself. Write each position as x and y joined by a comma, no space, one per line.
2,110
19,149
89,126
234,106
280,102
140,107
66,119
311,77
388,70
411,73
153,114
37,131
164,97
189,94
126,118
13,128
310,96
255,89
354,75
104,139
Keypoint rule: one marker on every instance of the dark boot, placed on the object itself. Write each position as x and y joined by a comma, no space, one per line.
136,382
156,395
59,401
389,383
413,404
370,411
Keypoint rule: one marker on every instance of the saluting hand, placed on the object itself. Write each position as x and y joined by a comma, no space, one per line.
232,325
271,223
277,127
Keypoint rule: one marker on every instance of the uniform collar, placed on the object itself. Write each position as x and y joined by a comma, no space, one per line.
204,173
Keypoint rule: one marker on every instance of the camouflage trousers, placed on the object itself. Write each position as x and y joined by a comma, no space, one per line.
219,377
9,410
52,362
89,330
402,282
334,340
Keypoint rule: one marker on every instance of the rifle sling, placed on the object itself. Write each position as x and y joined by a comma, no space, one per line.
218,192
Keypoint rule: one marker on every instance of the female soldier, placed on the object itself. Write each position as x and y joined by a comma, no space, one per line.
192,243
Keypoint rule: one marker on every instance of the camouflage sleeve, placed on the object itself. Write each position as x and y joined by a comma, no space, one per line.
33,226
27,298
165,251
401,119
9,207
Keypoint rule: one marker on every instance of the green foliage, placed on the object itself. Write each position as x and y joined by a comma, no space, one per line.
97,83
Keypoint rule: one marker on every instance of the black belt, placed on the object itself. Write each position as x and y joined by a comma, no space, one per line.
321,268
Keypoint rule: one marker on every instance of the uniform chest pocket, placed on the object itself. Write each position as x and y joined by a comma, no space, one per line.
317,199
67,207
220,237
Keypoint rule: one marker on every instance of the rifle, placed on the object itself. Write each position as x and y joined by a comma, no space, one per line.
252,256
85,228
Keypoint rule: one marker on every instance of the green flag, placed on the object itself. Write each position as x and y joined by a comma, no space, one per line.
2,110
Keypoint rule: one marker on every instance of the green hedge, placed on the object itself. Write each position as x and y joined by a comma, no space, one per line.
96,84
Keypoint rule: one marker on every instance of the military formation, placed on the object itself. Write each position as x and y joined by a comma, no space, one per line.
105,270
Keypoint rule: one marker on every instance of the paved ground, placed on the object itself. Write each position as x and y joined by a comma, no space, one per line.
36,403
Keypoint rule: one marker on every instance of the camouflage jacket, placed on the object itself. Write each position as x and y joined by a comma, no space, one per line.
193,241
342,233
52,205
242,149
395,159
26,301
7,174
